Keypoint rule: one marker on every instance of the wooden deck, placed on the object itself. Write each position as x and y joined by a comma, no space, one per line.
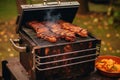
0,75
13,70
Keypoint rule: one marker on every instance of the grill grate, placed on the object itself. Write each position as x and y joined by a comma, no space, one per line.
43,43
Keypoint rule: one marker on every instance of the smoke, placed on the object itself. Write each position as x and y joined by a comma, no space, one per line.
51,16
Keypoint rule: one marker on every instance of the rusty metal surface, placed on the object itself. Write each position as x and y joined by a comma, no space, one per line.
57,53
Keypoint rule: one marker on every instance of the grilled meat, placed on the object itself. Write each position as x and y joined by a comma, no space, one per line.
52,31
42,31
56,28
77,30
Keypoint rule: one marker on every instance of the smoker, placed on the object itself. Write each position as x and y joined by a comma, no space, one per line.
62,60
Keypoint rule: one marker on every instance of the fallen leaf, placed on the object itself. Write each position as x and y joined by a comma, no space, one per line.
105,49
110,48
11,55
108,35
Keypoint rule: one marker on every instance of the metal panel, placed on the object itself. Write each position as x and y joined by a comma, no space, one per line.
65,11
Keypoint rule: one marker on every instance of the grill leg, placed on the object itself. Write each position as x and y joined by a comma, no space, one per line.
13,70
5,71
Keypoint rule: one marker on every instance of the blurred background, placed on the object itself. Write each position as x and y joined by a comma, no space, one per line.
100,17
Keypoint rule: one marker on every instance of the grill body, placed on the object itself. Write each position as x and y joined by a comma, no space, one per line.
60,61
54,61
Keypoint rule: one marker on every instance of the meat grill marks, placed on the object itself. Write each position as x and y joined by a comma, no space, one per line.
42,31
76,29
52,31
63,33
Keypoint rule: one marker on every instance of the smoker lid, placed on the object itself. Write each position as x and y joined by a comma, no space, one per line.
52,11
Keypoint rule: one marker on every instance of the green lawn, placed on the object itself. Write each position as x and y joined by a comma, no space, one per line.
7,9
98,24
8,15
99,27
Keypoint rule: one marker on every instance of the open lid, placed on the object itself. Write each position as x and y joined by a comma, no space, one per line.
51,11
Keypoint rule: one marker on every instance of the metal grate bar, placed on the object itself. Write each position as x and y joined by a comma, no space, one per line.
63,65
65,53
38,63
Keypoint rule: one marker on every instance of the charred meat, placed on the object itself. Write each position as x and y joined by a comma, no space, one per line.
76,29
63,33
52,31
42,31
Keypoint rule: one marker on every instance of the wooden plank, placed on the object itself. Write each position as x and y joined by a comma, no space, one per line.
0,75
17,69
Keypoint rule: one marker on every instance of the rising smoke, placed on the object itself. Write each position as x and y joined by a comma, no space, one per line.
51,16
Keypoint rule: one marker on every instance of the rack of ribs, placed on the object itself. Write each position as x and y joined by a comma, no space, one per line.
76,29
43,32
63,33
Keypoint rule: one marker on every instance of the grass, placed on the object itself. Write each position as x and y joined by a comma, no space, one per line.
8,15
7,9
109,35
97,22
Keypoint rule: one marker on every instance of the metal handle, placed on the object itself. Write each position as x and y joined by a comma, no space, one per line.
45,2
17,48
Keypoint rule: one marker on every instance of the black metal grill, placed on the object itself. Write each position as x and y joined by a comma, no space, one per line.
76,61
